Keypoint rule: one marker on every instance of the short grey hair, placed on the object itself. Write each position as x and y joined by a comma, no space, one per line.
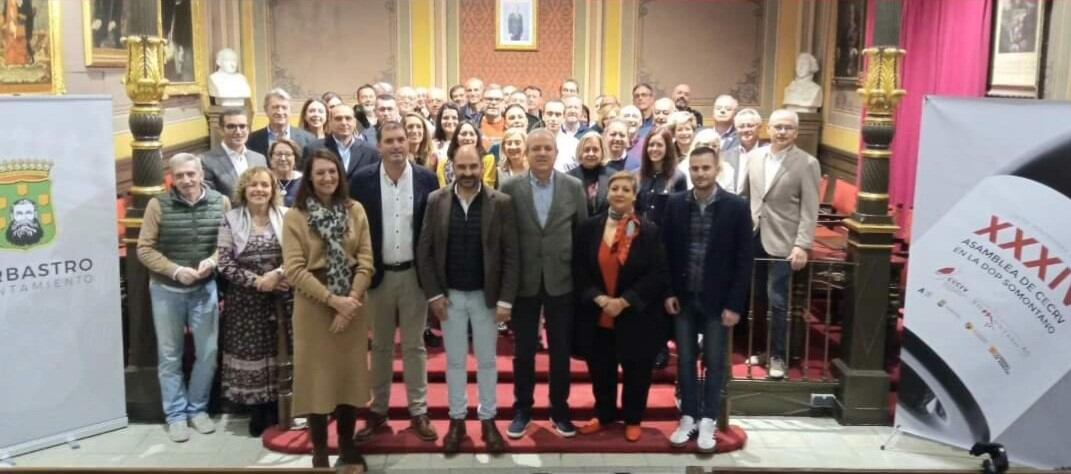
791,114
276,93
179,159
678,118
748,113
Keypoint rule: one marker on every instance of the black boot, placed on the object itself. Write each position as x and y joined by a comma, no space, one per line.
258,421
346,424
318,433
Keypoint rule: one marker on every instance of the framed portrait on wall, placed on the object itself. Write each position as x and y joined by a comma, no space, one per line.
851,40
184,56
106,22
516,25
30,51
1016,55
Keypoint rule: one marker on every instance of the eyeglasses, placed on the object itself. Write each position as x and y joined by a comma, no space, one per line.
783,128
493,99
235,126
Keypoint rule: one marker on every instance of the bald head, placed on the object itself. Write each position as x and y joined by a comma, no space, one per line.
662,108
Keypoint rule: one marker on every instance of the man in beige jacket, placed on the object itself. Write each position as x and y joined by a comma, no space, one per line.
783,189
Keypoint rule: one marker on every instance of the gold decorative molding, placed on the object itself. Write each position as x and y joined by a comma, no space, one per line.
856,244
145,82
881,91
873,196
876,154
147,190
862,228
132,222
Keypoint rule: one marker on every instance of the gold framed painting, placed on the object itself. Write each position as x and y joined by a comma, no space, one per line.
181,23
31,60
106,22
1017,50
517,25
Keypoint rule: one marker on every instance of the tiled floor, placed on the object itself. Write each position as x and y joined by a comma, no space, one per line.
774,442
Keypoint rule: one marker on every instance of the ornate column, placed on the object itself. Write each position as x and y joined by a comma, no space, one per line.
862,397
145,85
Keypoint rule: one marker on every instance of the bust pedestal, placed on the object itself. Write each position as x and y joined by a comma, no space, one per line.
810,132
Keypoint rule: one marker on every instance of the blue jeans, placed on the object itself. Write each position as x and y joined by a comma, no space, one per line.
172,311
468,307
778,272
694,319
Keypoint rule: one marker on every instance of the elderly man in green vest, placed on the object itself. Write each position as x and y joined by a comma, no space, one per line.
178,245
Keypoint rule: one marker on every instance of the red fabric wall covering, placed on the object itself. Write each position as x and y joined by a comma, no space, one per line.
546,68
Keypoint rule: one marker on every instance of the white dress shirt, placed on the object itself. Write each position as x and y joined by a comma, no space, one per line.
237,158
397,203
772,165
566,159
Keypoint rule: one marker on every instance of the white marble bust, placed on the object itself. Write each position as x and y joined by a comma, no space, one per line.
803,94
227,86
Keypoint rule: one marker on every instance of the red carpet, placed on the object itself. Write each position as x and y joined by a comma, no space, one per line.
540,439
660,419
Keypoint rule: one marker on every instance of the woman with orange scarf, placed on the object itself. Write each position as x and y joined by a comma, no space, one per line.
619,268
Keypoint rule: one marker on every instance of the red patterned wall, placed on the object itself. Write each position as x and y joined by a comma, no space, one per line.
546,68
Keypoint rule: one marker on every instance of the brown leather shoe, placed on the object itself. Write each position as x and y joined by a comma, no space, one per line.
423,429
454,435
491,437
372,424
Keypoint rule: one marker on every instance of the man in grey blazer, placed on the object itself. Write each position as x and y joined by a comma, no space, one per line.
224,166
277,108
549,206
783,188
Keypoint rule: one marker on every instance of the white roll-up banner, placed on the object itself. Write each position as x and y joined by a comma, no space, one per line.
987,346
61,354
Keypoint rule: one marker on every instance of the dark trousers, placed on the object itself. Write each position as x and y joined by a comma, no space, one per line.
775,274
558,311
635,384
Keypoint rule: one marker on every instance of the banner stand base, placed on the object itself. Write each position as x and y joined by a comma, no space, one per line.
895,435
67,437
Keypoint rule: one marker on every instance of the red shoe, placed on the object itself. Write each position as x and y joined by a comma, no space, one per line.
633,432
591,428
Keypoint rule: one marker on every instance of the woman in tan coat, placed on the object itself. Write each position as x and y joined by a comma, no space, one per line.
327,255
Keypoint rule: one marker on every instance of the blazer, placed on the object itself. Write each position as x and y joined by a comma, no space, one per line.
601,203
258,140
220,173
728,260
787,213
641,281
546,253
361,153
366,188
498,236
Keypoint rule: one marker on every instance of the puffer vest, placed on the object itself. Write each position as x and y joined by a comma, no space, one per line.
188,232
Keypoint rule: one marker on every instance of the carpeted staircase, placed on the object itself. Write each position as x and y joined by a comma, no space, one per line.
660,419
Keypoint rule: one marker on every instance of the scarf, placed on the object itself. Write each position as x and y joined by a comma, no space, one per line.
331,224
628,227
241,224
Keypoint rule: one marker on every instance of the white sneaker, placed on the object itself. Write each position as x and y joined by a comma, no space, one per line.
202,423
684,432
707,441
777,368
757,360
178,432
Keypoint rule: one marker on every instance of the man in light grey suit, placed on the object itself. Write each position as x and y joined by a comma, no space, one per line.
225,165
734,156
277,108
783,189
549,206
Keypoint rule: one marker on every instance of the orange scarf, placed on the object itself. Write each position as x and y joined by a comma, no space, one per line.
628,227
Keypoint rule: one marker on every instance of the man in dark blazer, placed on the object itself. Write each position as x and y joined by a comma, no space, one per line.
550,206
707,233
394,194
469,269
354,152
277,108
225,165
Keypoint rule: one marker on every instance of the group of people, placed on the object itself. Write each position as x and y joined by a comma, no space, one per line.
483,207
